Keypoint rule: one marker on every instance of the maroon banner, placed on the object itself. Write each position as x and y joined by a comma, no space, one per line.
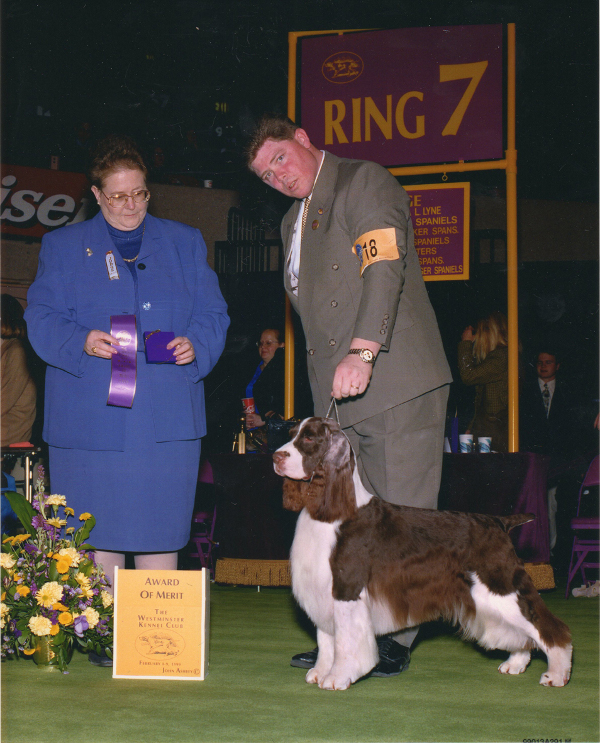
35,200
440,215
405,96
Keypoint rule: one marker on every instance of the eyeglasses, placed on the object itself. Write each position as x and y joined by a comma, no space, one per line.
120,199
267,343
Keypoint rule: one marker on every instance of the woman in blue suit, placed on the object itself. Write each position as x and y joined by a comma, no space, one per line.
134,468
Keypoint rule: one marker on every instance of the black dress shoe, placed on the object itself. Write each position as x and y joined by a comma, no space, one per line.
393,658
305,660
100,660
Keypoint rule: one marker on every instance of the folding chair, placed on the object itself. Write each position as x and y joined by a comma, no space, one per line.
585,541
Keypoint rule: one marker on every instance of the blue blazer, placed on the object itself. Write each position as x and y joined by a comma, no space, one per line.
72,294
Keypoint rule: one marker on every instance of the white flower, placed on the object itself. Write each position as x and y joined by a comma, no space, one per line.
107,599
56,500
72,553
3,615
92,617
7,561
40,626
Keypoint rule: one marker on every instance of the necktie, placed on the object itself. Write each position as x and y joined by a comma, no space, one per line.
546,397
304,216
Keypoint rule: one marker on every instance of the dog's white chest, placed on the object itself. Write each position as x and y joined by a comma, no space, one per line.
311,571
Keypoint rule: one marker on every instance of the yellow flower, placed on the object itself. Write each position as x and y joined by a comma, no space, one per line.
40,626
65,618
69,512
56,500
71,553
20,538
57,523
64,577
59,607
55,629
85,516
23,590
3,615
70,530
8,540
107,599
49,594
7,561
63,565
3,595
28,651
92,616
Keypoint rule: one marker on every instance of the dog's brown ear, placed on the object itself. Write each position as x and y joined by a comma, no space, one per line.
331,494
294,494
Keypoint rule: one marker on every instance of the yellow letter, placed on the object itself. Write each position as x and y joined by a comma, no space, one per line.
372,112
473,70
331,123
356,133
420,120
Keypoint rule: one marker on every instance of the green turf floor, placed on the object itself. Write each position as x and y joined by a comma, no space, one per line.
451,692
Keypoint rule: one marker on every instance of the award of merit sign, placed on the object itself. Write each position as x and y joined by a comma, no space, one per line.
440,215
161,624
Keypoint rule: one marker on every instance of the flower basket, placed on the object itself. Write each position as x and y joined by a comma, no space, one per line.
54,596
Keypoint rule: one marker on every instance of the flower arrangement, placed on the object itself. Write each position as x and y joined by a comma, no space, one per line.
51,585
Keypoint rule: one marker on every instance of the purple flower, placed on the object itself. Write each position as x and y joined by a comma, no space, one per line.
80,625
37,521
17,633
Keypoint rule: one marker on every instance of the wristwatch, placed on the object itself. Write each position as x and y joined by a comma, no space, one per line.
364,353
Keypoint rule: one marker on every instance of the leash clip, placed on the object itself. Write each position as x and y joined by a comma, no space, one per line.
333,406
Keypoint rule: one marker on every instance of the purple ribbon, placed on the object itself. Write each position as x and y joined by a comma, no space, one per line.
123,365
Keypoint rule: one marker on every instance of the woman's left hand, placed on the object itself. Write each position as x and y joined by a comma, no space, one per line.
184,350
253,420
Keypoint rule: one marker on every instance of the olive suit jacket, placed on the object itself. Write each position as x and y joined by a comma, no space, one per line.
387,302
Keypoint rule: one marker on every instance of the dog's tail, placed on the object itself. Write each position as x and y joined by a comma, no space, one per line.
517,519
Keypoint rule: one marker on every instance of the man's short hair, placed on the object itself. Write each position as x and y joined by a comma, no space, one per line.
270,126
548,351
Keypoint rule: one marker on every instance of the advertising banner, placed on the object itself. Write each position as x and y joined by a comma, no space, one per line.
36,200
440,214
405,96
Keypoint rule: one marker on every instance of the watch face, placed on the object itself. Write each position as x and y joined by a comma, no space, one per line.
366,355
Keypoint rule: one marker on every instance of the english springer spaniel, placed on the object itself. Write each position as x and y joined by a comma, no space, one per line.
363,567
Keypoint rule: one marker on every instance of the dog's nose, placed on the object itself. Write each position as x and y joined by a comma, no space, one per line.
279,456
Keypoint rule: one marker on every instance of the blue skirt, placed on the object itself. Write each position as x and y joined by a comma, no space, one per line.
143,497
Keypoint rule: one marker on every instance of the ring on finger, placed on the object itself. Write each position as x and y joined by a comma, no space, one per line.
93,349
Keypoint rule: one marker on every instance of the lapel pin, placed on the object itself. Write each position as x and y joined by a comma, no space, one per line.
88,251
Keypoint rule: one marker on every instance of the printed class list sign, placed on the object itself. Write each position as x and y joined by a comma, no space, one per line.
440,217
161,624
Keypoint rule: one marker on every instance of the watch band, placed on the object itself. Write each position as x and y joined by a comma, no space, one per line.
364,353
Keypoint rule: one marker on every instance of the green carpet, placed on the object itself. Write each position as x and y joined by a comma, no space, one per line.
451,692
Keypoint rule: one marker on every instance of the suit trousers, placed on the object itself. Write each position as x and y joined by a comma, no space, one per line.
400,453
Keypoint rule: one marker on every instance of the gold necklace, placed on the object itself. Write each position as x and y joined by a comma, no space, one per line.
131,260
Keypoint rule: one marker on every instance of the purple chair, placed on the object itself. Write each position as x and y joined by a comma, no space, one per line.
585,540
203,530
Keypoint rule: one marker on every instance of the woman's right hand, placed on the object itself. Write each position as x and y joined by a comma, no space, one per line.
253,420
98,343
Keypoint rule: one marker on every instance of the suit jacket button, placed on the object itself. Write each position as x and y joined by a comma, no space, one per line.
334,303
332,342
319,211
141,266
382,332
311,351
335,267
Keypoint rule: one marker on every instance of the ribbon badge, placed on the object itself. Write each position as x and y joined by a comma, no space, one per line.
123,370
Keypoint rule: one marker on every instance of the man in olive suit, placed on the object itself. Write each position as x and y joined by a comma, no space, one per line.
353,275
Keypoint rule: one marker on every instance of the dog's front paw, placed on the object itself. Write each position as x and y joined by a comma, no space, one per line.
554,679
312,677
516,663
336,682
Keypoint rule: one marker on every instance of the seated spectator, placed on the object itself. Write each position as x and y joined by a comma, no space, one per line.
18,387
267,384
483,363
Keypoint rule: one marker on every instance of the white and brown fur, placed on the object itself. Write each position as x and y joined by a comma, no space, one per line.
363,567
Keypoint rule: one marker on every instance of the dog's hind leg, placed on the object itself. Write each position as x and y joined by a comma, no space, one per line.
355,646
325,655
